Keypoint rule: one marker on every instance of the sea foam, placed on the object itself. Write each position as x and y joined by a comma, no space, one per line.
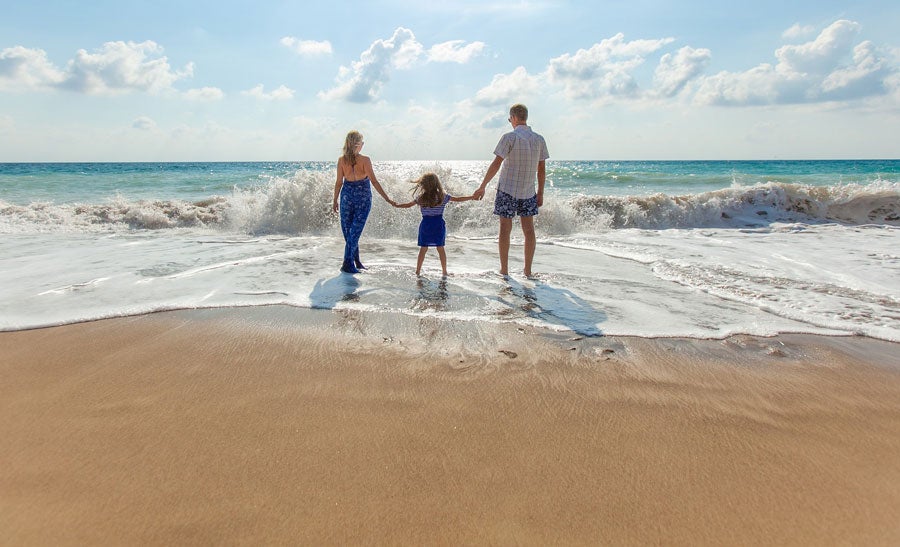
301,205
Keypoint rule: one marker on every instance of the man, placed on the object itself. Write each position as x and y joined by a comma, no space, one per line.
520,157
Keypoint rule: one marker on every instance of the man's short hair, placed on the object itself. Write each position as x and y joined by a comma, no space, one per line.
519,111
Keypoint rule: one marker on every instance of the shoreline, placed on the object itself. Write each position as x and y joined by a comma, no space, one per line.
314,317
277,425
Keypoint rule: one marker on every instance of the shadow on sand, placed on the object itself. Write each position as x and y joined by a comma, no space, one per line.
341,288
552,305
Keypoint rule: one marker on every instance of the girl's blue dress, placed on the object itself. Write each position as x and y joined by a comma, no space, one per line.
432,229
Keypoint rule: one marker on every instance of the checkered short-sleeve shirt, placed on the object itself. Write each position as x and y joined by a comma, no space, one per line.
521,150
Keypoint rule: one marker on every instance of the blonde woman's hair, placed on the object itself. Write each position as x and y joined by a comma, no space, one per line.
353,139
428,191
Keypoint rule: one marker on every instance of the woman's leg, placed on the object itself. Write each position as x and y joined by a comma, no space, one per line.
363,206
348,216
355,206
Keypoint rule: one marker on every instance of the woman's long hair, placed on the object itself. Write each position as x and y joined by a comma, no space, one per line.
428,191
350,143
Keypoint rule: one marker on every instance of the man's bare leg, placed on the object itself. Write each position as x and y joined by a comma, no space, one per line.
530,242
503,244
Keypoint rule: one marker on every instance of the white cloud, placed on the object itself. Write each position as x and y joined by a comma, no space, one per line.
603,70
316,123
143,123
798,31
204,94
821,54
675,71
507,88
362,82
454,51
753,87
827,68
281,93
866,76
117,67
27,69
495,121
307,48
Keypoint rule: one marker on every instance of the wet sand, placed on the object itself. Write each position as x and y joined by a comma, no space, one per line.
279,426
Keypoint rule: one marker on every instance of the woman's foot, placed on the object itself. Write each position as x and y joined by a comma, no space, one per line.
349,267
357,262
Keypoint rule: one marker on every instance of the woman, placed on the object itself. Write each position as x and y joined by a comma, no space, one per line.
354,174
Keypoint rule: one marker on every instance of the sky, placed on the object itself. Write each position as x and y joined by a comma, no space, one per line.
607,80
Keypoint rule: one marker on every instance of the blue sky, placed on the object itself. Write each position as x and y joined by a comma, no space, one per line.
267,80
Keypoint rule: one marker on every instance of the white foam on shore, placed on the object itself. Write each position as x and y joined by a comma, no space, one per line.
708,283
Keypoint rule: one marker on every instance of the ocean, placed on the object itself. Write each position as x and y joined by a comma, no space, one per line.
703,249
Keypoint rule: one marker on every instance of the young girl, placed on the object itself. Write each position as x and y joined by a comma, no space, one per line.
429,195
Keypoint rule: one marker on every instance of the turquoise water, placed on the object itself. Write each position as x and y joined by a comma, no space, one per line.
24,183
685,177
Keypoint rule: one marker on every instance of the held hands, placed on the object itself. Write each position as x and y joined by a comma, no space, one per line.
478,194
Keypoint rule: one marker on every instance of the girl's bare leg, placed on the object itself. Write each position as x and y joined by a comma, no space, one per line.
422,251
443,256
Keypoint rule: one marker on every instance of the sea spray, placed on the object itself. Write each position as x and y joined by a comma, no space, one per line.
302,205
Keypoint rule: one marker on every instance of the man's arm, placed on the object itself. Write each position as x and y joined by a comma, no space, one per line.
542,176
492,170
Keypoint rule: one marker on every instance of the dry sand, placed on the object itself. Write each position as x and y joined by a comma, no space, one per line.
287,427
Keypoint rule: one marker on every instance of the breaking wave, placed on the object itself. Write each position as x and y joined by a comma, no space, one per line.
302,205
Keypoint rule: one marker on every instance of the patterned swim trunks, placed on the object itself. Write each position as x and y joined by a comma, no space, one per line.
507,206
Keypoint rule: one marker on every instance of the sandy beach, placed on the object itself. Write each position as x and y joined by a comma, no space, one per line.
285,426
